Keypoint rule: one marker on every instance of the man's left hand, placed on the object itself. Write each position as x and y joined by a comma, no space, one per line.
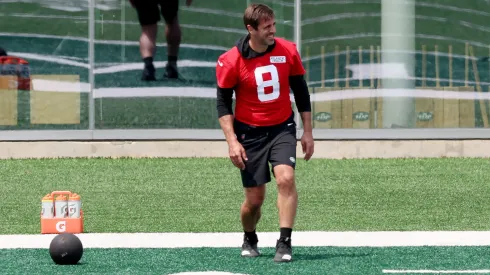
308,144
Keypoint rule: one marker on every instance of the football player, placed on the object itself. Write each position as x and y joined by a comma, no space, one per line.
260,69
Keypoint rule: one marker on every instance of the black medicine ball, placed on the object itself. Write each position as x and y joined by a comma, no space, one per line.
66,249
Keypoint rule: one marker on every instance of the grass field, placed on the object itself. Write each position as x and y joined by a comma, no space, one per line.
201,195
426,208
58,44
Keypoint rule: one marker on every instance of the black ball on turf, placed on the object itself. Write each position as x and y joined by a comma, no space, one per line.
66,249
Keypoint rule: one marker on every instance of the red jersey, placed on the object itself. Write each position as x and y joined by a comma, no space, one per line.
261,83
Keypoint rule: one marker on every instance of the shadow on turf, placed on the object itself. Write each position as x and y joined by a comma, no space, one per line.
324,256
77,264
299,256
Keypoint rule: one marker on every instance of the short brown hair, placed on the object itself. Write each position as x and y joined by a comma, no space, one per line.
256,12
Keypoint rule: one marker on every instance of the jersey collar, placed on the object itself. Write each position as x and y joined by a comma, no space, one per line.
247,52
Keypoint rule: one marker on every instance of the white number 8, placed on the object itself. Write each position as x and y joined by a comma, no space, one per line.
273,82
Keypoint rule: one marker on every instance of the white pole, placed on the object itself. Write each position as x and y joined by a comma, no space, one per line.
91,34
297,40
398,47
123,30
297,24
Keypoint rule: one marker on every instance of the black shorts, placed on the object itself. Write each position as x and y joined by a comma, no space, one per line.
263,145
149,10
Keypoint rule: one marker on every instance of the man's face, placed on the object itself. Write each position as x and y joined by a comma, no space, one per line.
265,31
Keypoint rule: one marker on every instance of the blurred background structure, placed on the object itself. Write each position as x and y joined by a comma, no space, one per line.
374,67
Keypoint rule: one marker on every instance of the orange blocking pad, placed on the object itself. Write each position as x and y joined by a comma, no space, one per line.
54,223
55,99
8,100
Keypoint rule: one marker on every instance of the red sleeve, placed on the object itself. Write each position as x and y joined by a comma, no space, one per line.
297,65
226,76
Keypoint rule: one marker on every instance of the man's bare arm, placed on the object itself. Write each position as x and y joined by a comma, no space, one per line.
226,123
306,118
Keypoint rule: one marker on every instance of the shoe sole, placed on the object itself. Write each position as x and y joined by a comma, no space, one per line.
281,260
250,255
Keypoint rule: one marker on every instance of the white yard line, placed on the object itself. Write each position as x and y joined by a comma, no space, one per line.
266,239
429,271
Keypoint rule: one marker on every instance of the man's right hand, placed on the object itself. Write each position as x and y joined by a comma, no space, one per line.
237,154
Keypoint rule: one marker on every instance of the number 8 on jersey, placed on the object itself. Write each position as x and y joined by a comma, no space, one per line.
261,83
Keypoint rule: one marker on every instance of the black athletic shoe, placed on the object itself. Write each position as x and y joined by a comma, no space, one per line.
171,72
284,252
148,74
249,249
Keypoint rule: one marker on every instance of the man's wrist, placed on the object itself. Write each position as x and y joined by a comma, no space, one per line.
231,139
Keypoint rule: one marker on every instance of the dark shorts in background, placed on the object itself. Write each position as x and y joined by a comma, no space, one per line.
263,145
149,11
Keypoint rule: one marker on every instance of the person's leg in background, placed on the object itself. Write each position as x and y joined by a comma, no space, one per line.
173,35
148,16
147,50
